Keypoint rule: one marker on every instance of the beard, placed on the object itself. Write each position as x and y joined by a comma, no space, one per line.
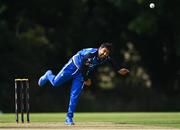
101,56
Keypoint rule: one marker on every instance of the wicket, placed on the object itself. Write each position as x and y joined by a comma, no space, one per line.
22,98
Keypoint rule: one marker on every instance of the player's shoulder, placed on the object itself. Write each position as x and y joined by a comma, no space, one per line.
90,50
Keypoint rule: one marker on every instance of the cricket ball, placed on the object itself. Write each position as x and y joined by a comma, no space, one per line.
151,5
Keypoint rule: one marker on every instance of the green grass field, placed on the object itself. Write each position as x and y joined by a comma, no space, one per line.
133,120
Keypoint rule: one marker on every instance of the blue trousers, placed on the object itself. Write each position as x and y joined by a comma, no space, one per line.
69,71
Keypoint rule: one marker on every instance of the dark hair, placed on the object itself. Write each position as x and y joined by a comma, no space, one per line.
106,45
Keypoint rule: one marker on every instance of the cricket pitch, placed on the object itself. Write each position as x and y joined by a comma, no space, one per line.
77,126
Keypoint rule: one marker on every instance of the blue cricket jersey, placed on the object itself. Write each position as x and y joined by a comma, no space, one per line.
87,59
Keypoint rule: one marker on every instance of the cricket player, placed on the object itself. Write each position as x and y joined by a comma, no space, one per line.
79,68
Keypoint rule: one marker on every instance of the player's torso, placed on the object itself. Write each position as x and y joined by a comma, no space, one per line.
91,61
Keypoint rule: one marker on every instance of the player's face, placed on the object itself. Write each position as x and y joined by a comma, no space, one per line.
103,53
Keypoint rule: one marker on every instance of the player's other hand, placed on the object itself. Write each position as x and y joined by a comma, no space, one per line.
123,71
87,82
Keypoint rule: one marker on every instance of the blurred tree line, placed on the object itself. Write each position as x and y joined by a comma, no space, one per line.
38,35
